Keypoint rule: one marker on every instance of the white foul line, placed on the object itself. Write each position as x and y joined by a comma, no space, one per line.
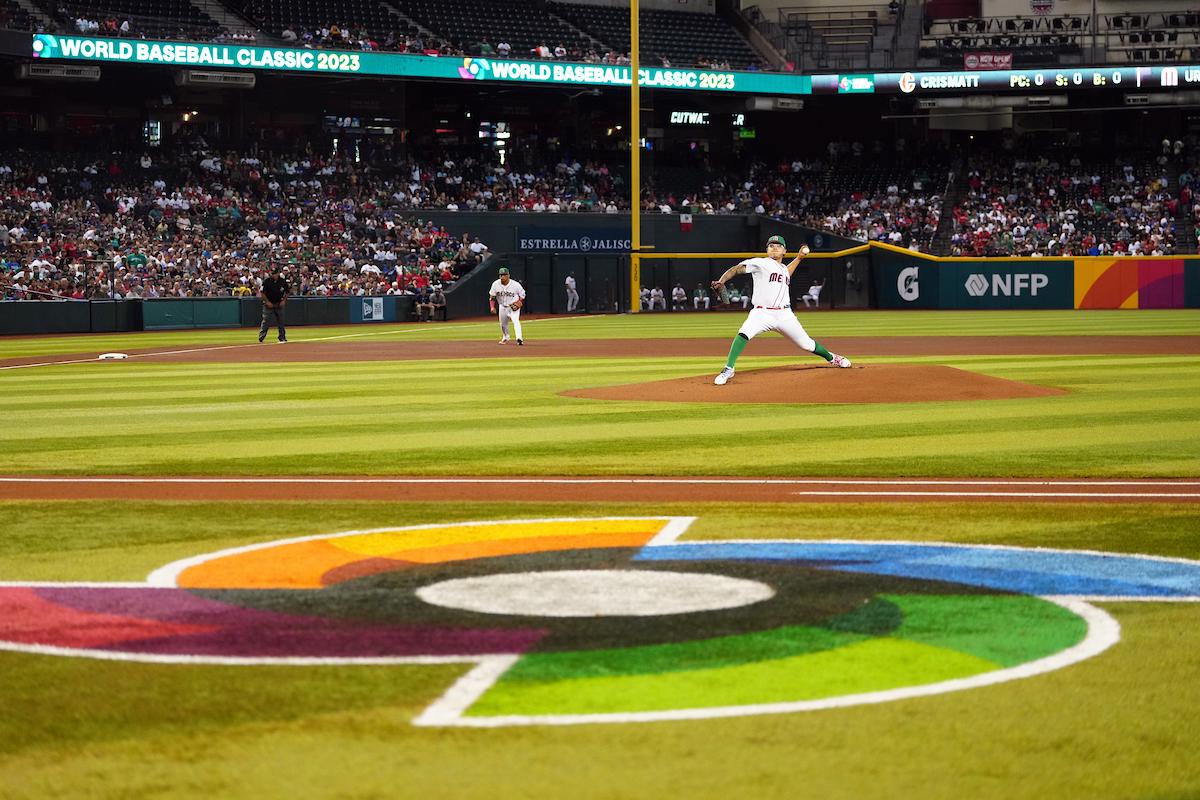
459,481
458,326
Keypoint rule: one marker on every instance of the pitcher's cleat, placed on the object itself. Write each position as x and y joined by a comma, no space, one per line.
724,377
841,361
503,341
521,342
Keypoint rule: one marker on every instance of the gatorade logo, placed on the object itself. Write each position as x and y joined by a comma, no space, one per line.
906,284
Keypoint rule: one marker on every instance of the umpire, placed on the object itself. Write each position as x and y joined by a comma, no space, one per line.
274,294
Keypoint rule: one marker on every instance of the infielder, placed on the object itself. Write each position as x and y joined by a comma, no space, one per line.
507,296
772,306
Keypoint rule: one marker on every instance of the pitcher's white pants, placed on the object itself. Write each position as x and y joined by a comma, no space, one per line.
761,320
513,314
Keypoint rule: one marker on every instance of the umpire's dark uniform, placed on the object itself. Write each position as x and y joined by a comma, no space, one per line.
274,294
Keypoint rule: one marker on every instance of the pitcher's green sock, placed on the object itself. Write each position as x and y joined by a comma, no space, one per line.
822,352
735,349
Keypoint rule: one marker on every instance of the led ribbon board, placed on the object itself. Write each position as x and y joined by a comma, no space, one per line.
341,62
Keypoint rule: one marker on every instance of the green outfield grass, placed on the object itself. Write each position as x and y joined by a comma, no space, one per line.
659,325
1120,725
1123,416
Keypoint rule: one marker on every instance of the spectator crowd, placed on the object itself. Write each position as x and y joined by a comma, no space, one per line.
198,223
195,221
1050,204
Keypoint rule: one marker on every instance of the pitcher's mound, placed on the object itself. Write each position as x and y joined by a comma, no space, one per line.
886,383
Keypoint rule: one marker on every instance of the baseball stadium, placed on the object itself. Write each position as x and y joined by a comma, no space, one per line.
599,399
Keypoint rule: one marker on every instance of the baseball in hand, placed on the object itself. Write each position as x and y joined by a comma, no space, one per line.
804,250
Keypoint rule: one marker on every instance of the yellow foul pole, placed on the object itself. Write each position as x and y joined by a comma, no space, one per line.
635,171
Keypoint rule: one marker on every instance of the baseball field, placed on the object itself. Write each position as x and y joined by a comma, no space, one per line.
404,561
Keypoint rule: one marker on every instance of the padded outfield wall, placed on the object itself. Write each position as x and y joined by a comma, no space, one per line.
903,279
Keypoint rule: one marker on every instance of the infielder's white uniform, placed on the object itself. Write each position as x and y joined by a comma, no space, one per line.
772,303
505,295
572,295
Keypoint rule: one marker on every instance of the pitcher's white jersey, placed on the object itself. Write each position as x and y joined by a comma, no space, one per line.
771,282
506,295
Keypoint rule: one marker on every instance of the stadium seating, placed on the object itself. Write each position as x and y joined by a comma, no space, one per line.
821,37
1018,204
149,18
274,16
1030,40
524,24
13,17
1150,36
681,37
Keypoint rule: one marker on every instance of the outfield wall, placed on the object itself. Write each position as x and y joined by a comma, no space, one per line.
865,276
104,316
903,279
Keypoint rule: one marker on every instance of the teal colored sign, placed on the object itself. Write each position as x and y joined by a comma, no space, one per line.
856,84
1191,283
903,281
241,57
1039,283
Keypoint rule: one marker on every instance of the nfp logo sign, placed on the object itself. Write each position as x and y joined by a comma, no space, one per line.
984,285
1012,284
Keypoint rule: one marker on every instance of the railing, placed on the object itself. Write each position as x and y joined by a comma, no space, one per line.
821,37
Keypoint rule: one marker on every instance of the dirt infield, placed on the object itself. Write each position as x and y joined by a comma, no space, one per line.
853,346
600,489
799,385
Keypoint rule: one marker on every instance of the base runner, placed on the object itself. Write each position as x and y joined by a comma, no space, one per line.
507,296
772,306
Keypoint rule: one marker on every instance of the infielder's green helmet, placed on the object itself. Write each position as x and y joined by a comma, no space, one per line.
503,271
777,240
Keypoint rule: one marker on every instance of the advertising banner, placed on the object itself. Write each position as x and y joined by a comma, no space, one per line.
904,281
573,239
340,62
979,78
1191,283
987,60
911,281
1032,283
373,309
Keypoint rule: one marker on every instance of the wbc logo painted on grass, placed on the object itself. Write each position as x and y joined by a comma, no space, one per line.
569,621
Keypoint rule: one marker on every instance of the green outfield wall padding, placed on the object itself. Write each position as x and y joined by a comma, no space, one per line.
167,314
1191,283
216,313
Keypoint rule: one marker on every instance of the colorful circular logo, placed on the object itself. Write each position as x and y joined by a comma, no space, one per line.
569,621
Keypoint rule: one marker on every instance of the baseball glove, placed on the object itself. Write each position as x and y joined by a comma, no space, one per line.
515,305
